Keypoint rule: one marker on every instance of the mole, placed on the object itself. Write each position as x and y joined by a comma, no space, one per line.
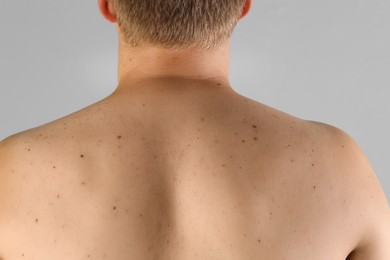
36,220
82,155
314,187
243,141
119,137
254,126
255,138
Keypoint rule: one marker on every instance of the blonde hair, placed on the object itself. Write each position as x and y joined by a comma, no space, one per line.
176,24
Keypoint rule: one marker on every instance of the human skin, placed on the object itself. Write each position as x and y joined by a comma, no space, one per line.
175,164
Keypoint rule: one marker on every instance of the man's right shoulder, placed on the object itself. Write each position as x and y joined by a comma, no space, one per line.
365,206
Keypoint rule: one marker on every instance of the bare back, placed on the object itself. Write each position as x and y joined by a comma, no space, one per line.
170,173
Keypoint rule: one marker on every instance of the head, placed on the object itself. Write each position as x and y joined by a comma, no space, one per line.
175,24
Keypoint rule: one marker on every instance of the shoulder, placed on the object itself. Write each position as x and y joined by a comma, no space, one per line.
366,207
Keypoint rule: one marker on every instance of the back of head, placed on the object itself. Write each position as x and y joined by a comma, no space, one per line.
176,24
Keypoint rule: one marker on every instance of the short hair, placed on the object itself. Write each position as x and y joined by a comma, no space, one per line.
176,24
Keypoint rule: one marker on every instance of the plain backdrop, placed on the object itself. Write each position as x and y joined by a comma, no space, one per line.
326,61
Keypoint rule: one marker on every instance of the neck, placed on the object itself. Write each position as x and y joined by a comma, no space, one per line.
142,64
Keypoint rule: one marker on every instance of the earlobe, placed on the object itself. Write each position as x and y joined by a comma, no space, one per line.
106,10
247,7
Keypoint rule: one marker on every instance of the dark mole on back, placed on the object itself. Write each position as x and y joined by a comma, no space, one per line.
119,137
82,155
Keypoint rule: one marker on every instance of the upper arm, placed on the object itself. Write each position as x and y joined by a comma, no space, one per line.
369,210
375,244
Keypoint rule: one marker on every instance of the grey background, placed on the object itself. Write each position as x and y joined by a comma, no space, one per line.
326,61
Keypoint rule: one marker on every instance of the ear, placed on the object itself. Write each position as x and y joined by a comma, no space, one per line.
107,11
246,9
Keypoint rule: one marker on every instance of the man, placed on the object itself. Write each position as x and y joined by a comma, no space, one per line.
176,165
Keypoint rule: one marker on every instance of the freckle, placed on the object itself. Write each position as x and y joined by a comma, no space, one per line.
167,241
114,208
312,150
236,133
29,149
258,240
223,165
82,156
243,141
255,138
83,183
292,160
58,196
312,164
54,167
36,220
254,126
140,215
219,84
119,137
342,146
314,187
240,167
244,235
202,119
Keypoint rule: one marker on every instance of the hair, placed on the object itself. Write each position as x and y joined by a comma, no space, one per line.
176,24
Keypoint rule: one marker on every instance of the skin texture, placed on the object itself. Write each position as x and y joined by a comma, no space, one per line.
176,165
